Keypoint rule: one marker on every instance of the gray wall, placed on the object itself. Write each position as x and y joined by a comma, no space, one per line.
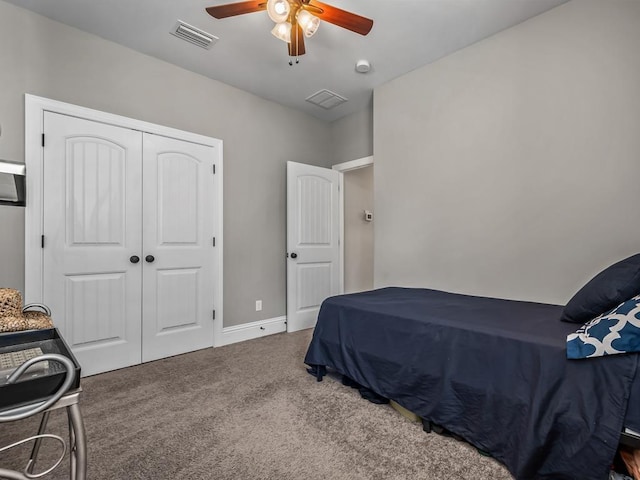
11,244
511,167
352,136
358,233
46,58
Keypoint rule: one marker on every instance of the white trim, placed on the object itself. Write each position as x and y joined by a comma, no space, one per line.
46,104
341,232
35,107
218,297
354,164
33,223
249,331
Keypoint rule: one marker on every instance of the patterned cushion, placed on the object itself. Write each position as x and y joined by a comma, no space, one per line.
13,324
38,320
616,331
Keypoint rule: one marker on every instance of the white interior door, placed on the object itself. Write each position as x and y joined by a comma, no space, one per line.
313,249
178,252
92,221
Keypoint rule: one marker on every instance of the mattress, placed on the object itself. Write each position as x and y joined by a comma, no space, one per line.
492,371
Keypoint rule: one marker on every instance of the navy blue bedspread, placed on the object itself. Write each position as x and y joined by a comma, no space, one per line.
492,371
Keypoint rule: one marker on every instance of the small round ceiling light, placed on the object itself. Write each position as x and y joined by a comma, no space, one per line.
363,66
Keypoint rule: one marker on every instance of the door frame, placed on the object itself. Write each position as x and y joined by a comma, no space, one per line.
342,168
35,107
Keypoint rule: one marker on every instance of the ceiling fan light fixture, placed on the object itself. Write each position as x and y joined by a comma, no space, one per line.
282,31
295,19
308,22
278,10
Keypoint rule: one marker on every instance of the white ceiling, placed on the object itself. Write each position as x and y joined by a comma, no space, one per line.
406,34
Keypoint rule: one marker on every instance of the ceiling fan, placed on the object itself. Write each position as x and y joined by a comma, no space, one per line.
296,19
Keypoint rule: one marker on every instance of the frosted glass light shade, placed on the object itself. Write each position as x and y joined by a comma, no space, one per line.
278,10
282,31
308,22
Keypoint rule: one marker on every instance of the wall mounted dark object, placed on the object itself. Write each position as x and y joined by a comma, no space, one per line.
12,183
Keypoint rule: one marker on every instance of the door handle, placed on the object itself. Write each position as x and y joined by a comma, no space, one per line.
134,259
294,255
149,258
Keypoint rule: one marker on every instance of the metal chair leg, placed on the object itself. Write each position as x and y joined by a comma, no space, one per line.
31,464
12,475
78,441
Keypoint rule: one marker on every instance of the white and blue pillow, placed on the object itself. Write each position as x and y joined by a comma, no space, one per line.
613,332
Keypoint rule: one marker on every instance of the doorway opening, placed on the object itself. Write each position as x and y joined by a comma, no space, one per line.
357,224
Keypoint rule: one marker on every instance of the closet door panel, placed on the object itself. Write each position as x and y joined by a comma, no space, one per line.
92,226
178,275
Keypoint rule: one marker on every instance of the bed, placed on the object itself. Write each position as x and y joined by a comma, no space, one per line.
495,372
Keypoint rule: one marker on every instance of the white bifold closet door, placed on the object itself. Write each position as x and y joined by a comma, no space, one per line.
128,262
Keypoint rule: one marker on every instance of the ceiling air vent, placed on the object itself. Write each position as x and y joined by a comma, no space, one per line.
326,99
193,35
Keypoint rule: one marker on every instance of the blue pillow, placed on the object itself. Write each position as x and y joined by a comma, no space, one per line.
617,331
609,288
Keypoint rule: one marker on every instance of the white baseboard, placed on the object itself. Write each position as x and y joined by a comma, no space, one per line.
249,331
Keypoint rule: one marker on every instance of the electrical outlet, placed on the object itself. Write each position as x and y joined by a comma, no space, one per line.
258,305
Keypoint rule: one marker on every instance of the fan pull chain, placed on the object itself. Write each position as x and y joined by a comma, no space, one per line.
297,49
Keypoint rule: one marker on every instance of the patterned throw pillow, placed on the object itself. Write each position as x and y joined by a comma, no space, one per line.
616,331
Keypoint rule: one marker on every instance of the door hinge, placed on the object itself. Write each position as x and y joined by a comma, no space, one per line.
41,241
43,139
214,314
214,168
214,241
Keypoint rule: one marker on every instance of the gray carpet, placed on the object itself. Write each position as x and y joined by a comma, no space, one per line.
249,411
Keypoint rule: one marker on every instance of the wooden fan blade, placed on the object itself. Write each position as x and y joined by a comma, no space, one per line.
296,46
240,8
339,17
